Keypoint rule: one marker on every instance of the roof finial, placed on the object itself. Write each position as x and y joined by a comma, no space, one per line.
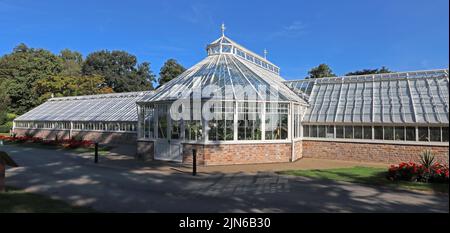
223,29
265,54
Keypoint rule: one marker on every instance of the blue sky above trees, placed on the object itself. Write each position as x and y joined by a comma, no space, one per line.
348,35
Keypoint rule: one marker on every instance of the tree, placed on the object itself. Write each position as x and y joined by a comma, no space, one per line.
120,69
321,71
72,62
382,70
61,85
21,69
170,70
4,102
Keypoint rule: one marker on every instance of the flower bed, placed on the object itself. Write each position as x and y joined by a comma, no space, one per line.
436,173
71,143
67,143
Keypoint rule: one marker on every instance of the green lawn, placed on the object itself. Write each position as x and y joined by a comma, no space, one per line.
4,134
18,201
366,175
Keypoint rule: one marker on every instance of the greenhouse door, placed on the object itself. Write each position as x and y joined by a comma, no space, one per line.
167,145
168,150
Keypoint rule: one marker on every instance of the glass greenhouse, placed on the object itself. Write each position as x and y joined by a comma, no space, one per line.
233,107
96,113
409,106
233,96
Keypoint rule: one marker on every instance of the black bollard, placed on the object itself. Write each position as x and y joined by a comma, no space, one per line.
96,153
194,162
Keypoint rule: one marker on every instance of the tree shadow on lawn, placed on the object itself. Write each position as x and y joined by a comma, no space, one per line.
370,176
14,200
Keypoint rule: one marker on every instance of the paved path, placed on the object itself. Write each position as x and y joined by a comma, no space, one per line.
76,179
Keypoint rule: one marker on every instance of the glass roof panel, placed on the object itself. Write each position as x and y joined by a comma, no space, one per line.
398,98
108,107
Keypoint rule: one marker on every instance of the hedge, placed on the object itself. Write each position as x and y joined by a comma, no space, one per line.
4,128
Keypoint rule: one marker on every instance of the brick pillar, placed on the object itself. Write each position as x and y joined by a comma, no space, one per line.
2,176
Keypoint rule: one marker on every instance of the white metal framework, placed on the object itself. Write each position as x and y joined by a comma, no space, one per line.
228,71
254,104
251,103
397,98
406,106
107,112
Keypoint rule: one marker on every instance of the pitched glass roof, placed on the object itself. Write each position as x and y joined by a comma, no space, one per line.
399,98
107,107
225,45
230,70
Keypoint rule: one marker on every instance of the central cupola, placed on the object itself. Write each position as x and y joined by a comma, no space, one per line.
226,46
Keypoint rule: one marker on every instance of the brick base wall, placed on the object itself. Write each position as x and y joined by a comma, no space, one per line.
298,150
145,150
102,137
227,154
187,153
370,152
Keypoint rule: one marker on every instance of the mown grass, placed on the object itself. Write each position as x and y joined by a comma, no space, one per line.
17,201
369,176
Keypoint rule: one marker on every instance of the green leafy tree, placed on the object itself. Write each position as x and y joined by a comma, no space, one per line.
321,71
21,69
4,102
72,62
61,85
170,70
382,70
120,69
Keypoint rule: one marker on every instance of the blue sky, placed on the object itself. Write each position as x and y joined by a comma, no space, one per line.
348,35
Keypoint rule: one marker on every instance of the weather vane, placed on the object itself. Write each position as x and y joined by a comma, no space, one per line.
223,29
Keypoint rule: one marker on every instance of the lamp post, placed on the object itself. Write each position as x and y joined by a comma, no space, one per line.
194,162
96,153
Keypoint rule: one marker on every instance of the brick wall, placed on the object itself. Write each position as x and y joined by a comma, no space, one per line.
187,153
145,150
102,137
225,154
46,134
298,150
107,137
370,152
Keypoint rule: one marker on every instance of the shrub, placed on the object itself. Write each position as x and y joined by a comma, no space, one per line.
406,171
9,124
72,143
78,138
49,142
437,173
36,140
10,117
427,159
21,139
4,128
